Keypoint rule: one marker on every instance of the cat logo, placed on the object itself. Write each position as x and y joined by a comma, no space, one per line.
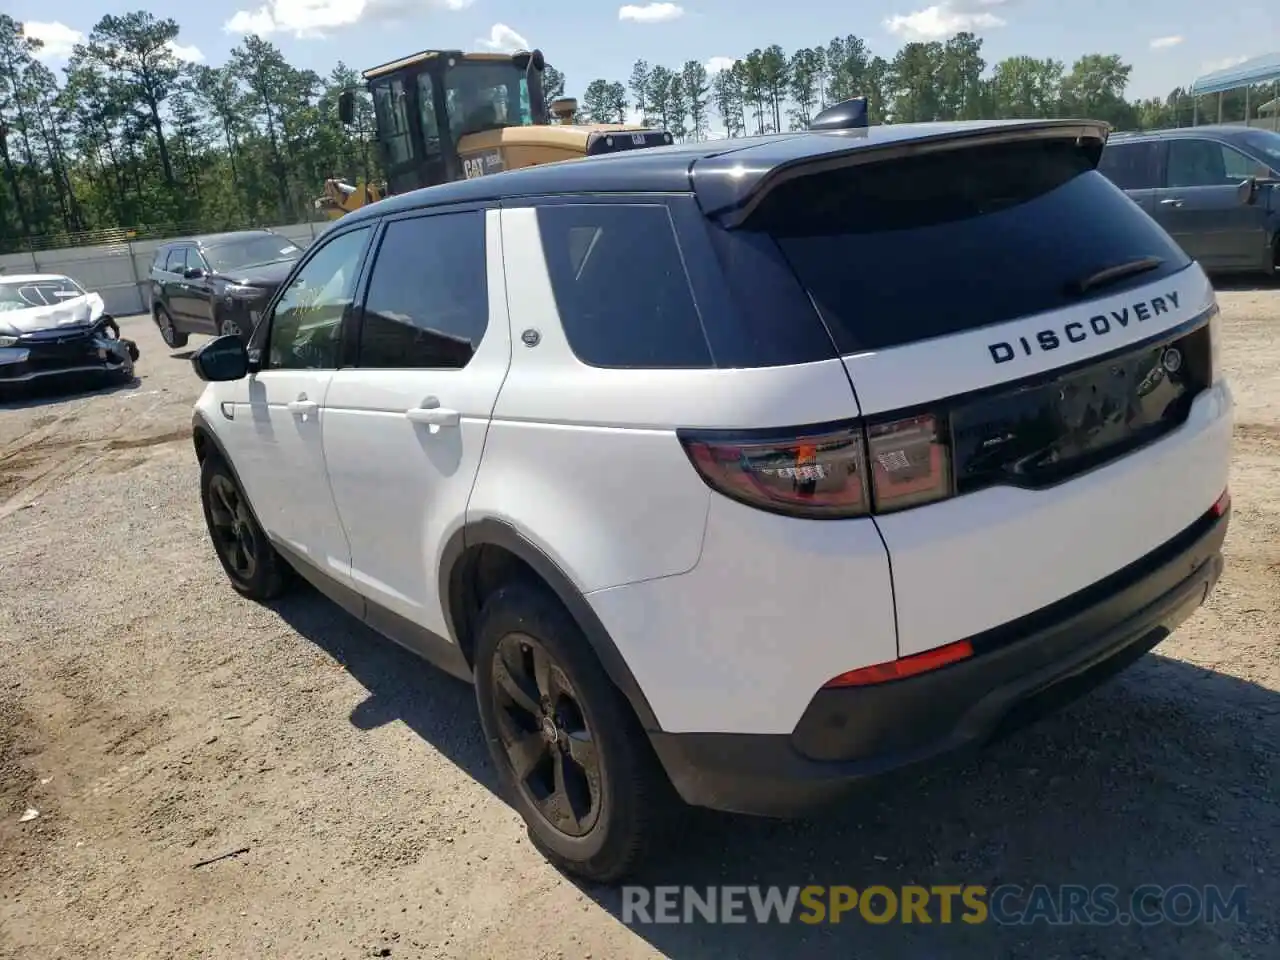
482,165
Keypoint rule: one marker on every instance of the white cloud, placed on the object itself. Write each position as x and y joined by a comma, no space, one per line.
651,12
946,19
1215,65
307,19
1164,43
58,38
187,53
502,39
717,64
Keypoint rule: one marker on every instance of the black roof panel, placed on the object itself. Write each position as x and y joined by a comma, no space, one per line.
737,165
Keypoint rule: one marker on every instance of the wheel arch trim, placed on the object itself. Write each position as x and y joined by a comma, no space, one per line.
499,533
201,427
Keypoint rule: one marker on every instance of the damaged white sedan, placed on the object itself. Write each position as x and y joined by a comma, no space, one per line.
50,326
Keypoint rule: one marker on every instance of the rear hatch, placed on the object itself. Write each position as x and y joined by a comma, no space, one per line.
1027,348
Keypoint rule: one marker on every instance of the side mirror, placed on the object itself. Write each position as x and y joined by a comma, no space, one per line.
193,273
347,107
222,358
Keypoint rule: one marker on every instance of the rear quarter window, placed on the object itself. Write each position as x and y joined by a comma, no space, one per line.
620,286
928,246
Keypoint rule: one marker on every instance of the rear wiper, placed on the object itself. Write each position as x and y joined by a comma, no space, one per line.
1109,275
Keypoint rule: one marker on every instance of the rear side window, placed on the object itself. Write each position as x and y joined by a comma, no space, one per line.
937,244
620,286
1131,166
428,300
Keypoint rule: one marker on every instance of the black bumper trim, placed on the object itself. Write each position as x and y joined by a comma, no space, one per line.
849,736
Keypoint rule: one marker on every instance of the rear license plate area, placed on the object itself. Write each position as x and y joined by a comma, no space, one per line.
1043,432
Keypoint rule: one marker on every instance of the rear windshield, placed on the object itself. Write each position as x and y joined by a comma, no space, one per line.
928,246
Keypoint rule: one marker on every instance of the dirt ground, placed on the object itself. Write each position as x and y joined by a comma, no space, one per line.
155,721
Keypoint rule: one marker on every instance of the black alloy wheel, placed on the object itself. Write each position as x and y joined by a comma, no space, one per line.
232,527
168,333
546,737
571,757
252,564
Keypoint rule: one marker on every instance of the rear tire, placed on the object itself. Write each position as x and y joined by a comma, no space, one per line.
594,794
254,567
173,338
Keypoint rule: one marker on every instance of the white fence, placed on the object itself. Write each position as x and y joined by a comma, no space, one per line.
120,272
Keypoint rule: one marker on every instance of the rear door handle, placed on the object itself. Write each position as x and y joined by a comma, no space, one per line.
302,407
432,414
1171,202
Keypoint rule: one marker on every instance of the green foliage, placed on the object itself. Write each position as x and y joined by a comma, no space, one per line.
130,136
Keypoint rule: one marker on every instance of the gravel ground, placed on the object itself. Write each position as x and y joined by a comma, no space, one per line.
155,720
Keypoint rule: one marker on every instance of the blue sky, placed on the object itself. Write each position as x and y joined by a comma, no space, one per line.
1167,41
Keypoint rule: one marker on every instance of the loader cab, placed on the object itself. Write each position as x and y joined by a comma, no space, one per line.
424,104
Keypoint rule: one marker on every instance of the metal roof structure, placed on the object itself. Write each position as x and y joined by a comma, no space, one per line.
1263,69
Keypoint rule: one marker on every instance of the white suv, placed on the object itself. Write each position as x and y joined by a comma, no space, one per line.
750,469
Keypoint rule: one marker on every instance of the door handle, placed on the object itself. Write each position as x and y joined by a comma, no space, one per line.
432,414
302,407
1171,202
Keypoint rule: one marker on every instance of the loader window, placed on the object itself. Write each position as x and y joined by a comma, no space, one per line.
393,120
486,96
427,113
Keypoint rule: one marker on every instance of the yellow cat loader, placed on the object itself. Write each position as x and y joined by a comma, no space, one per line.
444,115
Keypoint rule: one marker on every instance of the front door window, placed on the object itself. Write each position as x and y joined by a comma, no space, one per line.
306,327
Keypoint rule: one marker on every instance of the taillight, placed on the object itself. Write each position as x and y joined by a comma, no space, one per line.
848,472
809,476
910,463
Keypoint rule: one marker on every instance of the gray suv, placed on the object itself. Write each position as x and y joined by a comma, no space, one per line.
1212,188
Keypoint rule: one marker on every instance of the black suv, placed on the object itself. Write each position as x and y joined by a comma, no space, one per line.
217,284
1212,188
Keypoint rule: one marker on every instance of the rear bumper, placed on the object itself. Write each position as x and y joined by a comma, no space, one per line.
1020,671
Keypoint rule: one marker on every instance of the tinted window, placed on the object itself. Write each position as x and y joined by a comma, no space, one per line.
932,245
620,286
307,321
1207,163
428,300
177,260
1131,166
249,252
393,120
427,115
1265,143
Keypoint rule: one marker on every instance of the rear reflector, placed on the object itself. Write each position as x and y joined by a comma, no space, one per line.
903,667
1223,504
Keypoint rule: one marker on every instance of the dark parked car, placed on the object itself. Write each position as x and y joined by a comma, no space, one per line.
1212,188
217,284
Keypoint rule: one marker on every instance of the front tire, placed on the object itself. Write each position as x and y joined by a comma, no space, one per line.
571,756
251,563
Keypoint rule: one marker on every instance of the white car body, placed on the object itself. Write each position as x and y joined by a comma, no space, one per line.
724,624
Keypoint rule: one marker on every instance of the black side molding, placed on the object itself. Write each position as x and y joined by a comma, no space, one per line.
499,533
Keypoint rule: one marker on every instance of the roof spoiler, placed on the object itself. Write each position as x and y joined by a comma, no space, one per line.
729,191
848,114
